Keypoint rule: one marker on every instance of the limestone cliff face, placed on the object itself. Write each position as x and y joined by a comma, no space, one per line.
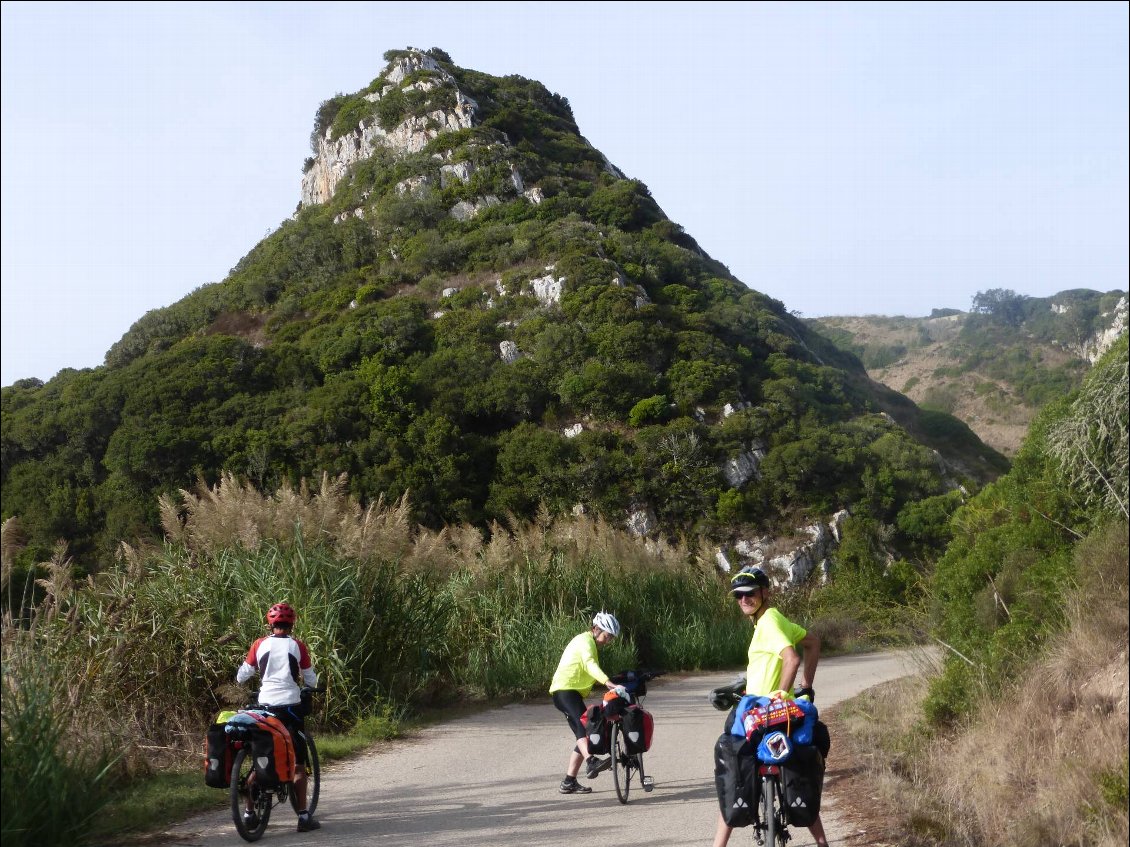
334,156
1093,348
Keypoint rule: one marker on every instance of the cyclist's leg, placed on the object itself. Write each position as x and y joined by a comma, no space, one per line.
295,725
721,833
817,830
572,705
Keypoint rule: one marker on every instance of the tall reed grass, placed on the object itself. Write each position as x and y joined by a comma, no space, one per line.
392,614
52,785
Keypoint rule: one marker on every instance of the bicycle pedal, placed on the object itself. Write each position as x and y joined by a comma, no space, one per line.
648,783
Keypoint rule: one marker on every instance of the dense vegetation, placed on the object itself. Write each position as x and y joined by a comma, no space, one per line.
1012,550
1021,738
331,347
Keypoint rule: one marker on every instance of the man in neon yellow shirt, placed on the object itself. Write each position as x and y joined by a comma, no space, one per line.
576,674
773,660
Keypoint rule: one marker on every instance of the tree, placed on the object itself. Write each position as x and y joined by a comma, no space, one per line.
1002,305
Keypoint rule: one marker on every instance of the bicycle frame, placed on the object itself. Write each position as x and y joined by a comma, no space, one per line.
624,763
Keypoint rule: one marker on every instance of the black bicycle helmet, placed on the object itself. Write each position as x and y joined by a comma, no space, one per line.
748,580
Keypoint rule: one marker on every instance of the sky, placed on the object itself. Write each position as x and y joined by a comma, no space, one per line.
844,158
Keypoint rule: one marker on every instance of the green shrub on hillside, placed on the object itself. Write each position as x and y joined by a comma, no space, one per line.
999,586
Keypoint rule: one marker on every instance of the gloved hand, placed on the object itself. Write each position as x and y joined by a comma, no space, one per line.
620,691
806,691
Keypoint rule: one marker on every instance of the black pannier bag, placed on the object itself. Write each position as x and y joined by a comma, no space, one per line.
217,757
637,727
802,778
735,780
596,730
821,739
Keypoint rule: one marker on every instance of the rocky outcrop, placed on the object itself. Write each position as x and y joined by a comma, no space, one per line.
548,288
334,156
787,563
465,210
1093,348
742,468
641,521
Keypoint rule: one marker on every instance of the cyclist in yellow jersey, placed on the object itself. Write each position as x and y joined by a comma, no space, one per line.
576,674
773,660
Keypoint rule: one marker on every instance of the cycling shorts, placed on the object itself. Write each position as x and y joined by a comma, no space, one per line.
572,704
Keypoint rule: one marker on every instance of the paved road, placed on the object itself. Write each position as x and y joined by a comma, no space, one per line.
490,780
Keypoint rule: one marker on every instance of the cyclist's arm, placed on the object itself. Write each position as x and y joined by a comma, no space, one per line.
305,666
790,663
592,667
811,645
249,667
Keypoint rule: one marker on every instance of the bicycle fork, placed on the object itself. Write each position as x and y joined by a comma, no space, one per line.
770,827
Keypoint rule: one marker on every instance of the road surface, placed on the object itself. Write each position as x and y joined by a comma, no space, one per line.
490,779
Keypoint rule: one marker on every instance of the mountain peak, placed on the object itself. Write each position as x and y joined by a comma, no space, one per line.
413,101
473,305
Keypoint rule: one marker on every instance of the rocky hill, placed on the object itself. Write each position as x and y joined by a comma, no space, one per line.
472,307
993,367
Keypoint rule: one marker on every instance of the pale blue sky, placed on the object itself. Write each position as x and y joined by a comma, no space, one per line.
843,158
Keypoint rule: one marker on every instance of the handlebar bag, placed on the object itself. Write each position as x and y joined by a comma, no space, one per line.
596,729
735,780
756,715
638,726
633,681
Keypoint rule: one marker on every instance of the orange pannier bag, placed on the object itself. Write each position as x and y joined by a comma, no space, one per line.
273,750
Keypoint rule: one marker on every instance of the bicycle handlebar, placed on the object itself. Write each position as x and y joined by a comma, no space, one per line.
725,697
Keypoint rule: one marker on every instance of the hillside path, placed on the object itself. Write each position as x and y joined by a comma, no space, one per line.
490,779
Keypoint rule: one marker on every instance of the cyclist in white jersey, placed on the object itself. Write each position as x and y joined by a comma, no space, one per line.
283,665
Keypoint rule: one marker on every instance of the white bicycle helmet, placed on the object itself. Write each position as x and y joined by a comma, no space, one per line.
607,622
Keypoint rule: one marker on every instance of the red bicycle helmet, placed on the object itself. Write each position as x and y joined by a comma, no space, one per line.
281,613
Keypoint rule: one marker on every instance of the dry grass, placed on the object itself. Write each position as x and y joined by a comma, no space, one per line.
1037,766
234,514
370,583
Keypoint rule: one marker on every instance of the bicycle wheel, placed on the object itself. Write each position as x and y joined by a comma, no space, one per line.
242,767
314,774
621,765
775,834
